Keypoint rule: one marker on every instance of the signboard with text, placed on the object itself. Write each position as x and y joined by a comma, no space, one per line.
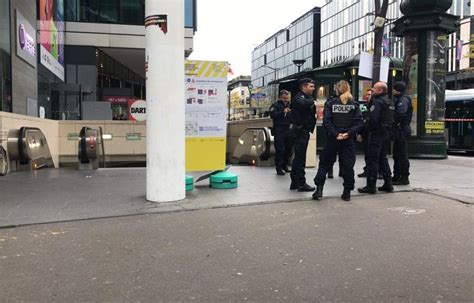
206,114
25,40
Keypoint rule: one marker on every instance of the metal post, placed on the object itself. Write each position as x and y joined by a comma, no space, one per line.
165,174
380,14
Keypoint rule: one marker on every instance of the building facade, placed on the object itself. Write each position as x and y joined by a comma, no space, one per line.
347,30
83,51
273,59
5,57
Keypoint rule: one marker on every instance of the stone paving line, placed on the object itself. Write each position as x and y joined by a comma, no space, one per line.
64,194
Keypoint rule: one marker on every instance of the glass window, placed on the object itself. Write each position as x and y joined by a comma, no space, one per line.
89,10
109,11
189,10
132,12
71,10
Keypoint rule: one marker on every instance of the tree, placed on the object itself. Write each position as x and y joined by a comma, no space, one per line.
379,24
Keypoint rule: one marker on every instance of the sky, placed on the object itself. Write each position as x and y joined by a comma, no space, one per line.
230,30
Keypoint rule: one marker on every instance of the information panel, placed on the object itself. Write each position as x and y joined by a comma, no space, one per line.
206,114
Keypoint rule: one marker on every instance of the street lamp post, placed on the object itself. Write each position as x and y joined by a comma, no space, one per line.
299,63
274,71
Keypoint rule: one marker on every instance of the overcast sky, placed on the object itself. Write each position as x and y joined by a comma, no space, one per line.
230,30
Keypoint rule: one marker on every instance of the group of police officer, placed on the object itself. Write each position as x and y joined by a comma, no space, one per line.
344,123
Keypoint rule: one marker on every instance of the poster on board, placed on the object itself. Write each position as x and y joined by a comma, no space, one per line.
51,19
206,114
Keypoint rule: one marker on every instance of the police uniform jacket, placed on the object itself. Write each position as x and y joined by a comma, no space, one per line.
403,110
281,120
303,112
342,118
378,113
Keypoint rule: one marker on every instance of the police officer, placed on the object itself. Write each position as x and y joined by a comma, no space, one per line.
342,121
303,121
378,126
362,135
283,140
401,132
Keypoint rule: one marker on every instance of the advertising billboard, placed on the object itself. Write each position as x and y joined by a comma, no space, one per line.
25,39
51,15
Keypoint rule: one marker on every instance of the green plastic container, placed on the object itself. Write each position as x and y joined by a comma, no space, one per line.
224,180
189,183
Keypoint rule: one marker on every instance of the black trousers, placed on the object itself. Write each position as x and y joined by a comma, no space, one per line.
301,137
283,141
365,147
377,157
401,166
346,151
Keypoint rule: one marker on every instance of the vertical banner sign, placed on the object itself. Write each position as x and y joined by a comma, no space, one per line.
206,113
435,83
51,14
410,75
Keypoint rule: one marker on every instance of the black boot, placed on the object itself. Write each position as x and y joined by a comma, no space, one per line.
280,172
367,190
402,181
370,188
346,194
387,186
362,175
318,193
286,169
305,188
395,178
293,185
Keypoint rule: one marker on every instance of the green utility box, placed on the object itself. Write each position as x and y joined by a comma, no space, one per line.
224,180
189,183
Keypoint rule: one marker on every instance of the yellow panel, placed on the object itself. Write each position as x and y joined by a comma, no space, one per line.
202,68
205,154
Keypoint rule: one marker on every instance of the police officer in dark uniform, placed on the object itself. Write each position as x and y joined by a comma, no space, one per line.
303,121
283,140
362,136
342,120
378,126
401,132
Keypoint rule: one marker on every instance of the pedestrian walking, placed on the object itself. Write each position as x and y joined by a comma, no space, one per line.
342,121
303,121
280,113
379,124
401,133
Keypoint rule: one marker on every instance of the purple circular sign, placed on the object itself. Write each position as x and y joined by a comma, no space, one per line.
22,36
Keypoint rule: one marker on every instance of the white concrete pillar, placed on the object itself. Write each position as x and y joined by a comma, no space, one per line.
165,173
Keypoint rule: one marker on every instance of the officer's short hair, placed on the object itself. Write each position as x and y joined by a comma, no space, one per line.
304,81
284,92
